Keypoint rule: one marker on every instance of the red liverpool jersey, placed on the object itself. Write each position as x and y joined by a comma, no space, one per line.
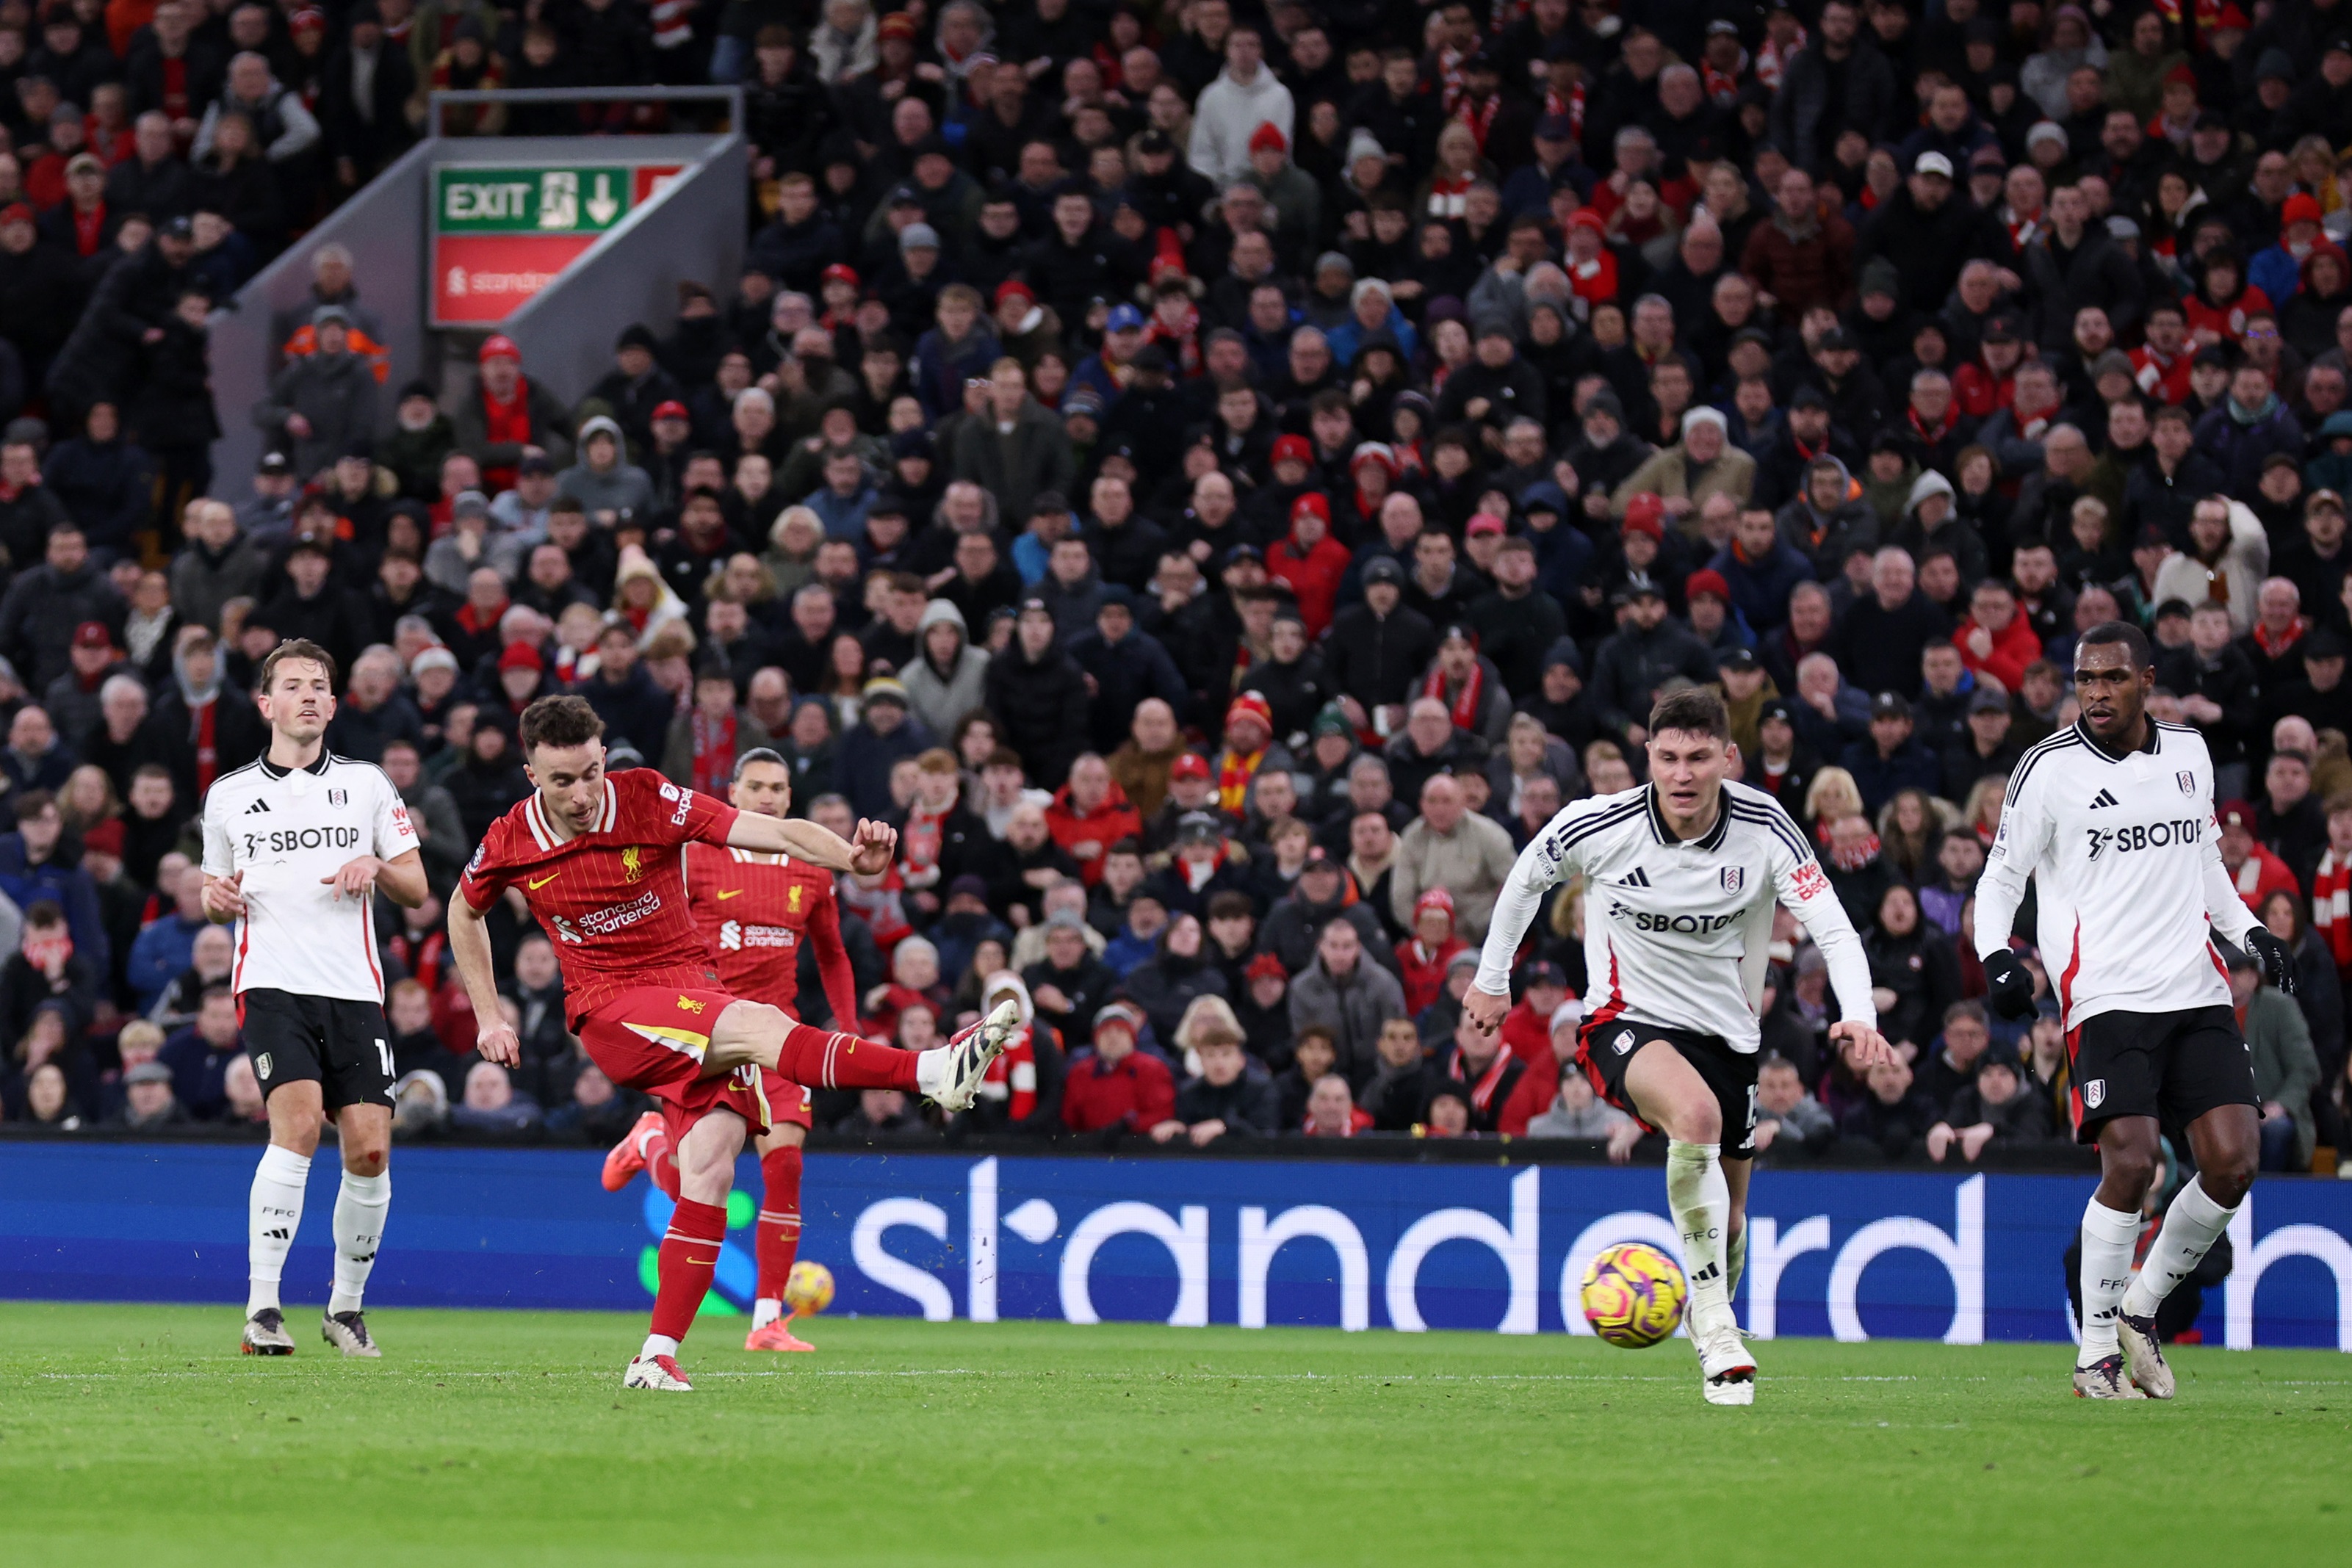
613,898
754,914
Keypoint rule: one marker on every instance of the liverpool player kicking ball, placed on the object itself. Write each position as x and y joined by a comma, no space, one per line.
1684,876
600,863
2113,818
755,911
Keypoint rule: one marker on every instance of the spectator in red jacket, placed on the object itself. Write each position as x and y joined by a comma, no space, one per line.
2256,871
1994,639
1528,1027
1331,1110
1089,814
1311,562
1115,1087
1422,957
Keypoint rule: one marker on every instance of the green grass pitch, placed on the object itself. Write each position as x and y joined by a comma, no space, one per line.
135,1435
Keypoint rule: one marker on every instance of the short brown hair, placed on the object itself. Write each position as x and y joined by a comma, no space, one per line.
1694,710
292,650
560,722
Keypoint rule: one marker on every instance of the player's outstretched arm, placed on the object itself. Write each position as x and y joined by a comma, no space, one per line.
470,945
1543,863
868,854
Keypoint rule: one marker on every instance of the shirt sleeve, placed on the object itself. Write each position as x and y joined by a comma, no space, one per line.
487,875
1804,887
1548,857
395,835
2017,850
220,850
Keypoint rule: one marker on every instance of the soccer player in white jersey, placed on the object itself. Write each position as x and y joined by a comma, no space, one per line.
295,844
2113,818
1682,876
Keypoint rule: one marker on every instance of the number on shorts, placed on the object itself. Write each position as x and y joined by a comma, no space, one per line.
384,1054
1751,1110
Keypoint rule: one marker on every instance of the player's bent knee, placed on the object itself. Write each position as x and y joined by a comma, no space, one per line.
748,1032
366,1159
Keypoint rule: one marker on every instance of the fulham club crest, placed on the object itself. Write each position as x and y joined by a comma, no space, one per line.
339,798
1734,877
2188,782
2095,1092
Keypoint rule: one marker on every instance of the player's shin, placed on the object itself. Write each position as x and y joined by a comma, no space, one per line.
274,1214
823,1060
2108,1237
360,1210
777,1239
2191,1226
1735,1264
684,1267
1700,1200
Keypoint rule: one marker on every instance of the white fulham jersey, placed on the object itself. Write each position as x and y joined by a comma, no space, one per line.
2126,859
286,831
1678,932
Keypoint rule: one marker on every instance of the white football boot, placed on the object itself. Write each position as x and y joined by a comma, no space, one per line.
660,1373
1727,1370
348,1332
969,1054
2145,1356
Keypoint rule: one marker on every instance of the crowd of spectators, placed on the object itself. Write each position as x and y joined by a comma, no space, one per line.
1219,480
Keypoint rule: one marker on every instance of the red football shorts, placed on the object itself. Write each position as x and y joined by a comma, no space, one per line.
788,1102
653,1038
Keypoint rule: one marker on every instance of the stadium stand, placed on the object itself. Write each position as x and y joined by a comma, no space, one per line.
1218,479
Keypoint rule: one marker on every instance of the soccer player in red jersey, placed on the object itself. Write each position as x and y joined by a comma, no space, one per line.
600,861
754,910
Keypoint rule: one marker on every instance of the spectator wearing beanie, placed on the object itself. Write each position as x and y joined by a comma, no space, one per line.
1702,464
1115,1088
1310,561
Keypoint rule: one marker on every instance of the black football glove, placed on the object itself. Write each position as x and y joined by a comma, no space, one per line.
2278,964
2010,985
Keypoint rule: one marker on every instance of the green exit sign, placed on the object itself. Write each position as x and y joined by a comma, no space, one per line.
531,200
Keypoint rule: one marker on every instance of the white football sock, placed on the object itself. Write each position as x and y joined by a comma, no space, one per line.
1701,1201
1735,1264
360,1209
2108,1237
766,1310
657,1344
2190,1227
273,1214
932,1072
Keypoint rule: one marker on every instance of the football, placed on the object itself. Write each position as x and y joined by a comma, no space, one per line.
808,1288
1632,1295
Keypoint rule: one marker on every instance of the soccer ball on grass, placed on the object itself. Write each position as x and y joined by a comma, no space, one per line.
1633,1295
808,1288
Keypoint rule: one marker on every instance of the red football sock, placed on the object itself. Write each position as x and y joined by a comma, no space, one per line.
824,1060
661,1161
777,1239
688,1257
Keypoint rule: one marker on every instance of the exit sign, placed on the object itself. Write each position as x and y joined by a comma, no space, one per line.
497,234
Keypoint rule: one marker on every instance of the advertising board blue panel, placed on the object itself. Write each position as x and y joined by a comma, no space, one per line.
1850,1254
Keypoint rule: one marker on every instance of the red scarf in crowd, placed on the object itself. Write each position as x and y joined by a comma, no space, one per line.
1571,106
714,752
1463,706
1479,116
508,421
2331,905
1012,1077
920,843
1235,772
1482,1094
2276,645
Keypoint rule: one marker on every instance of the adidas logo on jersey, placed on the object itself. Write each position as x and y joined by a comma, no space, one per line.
258,805
1633,878
2104,799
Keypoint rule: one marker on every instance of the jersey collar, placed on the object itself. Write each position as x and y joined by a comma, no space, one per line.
2155,741
542,831
1710,841
272,771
